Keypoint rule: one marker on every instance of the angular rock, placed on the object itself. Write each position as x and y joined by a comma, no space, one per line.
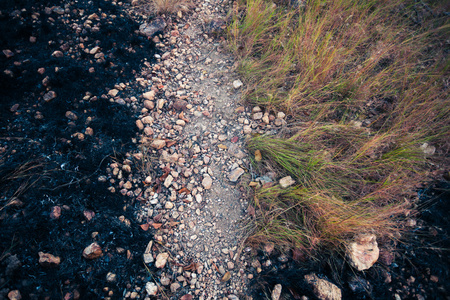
161,260
113,92
363,252
48,260
111,277
276,292
158,144
286,182
148,256
14,295
235,174
174,287
55,213
151,288
323,289
237,84
155,26
8,53
150,95
92,251
180,105
49,96
257,116
71,115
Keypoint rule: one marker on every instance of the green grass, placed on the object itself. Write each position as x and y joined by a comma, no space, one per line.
334,65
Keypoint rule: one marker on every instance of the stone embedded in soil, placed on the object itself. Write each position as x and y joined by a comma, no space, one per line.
235,174
48,260
161,260
180,105
148,256
158,144
286,182
71,115
150,95
92,251
323,289
55,212
237,84
276,292
49,96
155,26
151,288
174,287
207,182
111,277
14,295
113,92
363,252
8,53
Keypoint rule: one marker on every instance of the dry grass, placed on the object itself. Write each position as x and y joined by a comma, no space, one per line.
336,65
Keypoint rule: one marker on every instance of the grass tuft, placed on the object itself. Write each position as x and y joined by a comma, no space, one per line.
368,83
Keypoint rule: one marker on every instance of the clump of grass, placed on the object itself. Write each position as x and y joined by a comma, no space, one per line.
369,81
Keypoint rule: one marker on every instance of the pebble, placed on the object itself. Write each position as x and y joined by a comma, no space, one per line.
235,174
207,182
92,251
48,260
237,84
161,260
151,288
286,182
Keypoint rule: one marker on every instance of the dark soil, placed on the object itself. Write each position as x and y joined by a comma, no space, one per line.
42,163
419,268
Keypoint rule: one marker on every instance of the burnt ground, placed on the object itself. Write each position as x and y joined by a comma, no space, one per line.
417,268
42,165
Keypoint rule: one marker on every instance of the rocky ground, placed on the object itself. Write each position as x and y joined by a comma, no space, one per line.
124,172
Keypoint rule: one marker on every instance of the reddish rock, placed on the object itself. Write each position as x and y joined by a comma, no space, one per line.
92,251
180,105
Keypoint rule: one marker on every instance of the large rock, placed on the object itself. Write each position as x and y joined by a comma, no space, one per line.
155,26
323,289
363,252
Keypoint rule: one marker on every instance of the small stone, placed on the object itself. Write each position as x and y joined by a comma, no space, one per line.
8,53
169,205
180,105
247,129
281,115
92,251
207,182
235,174
147,120
161,260
158,144
49,96
139,124
286,182
151,288
14,295
198,198
148,257
230,265
174,287
149,104
363,252
111,277
323,289
57,54
237,84
257,116
265,119
94,50
152,28
88,215
149,95
55,212
276,292
71,115
428,149
113,92
168,181
48,260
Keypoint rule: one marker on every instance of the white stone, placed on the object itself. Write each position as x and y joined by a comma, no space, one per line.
151,288
237,84
286,182
363,252
161,260
168,181
207,182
